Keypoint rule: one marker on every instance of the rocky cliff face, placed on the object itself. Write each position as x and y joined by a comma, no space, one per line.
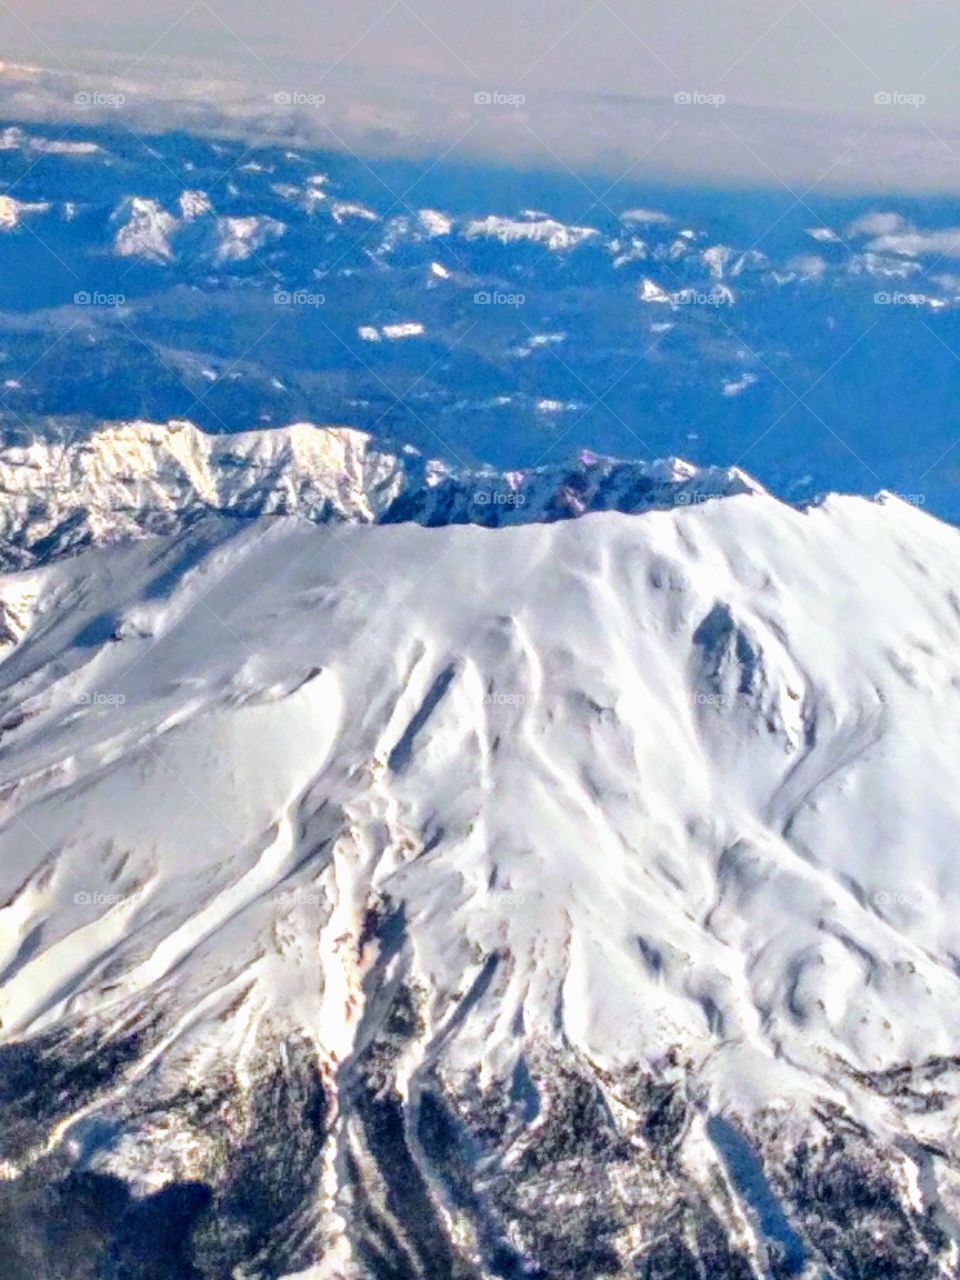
568,900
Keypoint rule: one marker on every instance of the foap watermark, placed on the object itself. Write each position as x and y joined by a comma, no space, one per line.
690,497
96,899
496,98
98,98
695,298
899,898
914,499
504,699
499,498
94,298
100,699
709,700
694,98
298,897
298,298
896,98
886,298
514,899
496,298
297,98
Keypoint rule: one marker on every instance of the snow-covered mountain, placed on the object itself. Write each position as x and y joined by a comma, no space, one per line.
127,479
572,899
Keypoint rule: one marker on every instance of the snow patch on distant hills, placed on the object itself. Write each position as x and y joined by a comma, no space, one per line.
12,211
145,231
16,139
556,236
435,223
240,238
194,204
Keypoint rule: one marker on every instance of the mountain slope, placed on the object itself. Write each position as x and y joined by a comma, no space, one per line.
563,900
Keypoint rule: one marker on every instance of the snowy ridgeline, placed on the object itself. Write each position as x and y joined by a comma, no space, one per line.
575,899
128,479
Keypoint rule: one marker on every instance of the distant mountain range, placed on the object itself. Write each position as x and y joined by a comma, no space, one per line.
485,317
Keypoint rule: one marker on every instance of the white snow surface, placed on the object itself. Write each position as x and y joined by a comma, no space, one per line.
12,211
651,292
688,777
146,231
106,481
404,329
556,236
15,139
435,222
239,238
194,204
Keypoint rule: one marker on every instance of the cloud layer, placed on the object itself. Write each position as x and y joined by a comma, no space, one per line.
691,136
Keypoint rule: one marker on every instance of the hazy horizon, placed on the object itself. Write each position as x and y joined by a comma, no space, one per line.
854,99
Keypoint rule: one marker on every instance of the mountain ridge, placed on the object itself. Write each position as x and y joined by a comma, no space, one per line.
133,478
